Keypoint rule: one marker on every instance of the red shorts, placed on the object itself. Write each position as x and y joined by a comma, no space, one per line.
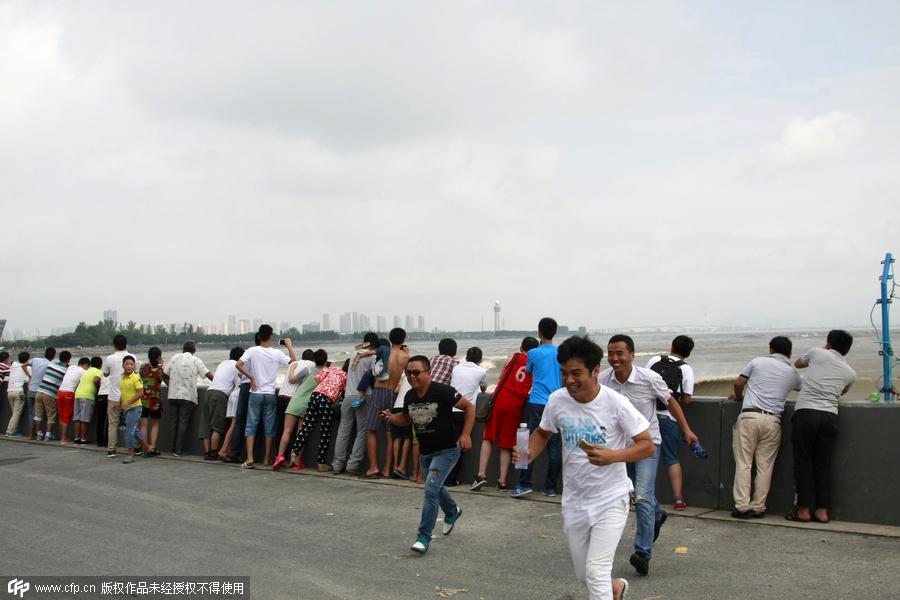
65,404
501,426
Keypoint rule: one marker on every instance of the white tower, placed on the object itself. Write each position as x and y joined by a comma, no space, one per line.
496,316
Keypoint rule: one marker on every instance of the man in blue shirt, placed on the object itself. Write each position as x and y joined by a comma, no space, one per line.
542,364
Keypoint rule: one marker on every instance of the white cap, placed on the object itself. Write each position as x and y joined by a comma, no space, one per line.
525,425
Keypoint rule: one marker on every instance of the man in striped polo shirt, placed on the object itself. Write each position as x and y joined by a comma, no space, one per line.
45,399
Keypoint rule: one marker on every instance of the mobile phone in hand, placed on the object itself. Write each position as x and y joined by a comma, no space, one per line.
281,342
582,443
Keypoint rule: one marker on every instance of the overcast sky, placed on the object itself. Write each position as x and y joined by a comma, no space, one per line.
609,164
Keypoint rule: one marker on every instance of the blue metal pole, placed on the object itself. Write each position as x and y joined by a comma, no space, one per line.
887,353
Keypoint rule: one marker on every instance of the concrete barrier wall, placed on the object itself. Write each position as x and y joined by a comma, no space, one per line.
866,458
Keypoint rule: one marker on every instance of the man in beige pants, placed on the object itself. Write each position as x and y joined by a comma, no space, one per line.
112,368
763,386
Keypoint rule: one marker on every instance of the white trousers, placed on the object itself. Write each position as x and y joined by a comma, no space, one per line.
592,543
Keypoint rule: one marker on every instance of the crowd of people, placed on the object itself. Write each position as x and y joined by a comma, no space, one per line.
605,430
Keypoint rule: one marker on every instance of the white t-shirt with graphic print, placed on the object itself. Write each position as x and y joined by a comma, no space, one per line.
608,420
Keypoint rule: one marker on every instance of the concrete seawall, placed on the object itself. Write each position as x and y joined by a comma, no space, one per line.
866,459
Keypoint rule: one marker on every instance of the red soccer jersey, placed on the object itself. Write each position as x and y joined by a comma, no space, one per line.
518,382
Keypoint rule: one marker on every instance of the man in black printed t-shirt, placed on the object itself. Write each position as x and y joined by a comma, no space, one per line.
427,406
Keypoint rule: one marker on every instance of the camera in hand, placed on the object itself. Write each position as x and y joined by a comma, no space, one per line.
281,342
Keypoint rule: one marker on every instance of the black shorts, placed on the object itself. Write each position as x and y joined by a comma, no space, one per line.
403,433
156,414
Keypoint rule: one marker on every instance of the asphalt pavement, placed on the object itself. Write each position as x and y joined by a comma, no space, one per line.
71,511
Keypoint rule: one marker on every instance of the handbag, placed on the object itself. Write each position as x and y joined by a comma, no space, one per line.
484,413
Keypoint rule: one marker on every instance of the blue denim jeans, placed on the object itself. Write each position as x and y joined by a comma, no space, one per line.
132,432
436,467
531,415
260,404
647,510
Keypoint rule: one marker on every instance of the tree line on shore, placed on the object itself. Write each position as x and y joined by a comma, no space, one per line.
161,335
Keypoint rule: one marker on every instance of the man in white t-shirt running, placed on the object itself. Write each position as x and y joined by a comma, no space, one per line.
596,425
260,365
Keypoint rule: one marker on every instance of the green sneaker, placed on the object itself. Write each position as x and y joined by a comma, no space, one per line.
449,522
421,545
128,460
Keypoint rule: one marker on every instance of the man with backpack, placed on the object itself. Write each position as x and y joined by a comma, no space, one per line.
679,376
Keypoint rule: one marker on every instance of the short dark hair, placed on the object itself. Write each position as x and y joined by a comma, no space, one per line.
447,347
265,332
371,338
128,357
65,356
256,339
621,337
397,335
581,348
474,354
189,347
84,360
236,353
547,328
421,359
4,355
384,342
308,354
120,342
50,353
840,340
23,356
529,343
96,362
781,345
683,345
320,357
154,354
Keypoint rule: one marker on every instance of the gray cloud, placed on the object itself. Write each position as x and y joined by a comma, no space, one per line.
609,165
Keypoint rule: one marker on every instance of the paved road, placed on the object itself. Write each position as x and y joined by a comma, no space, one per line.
68,511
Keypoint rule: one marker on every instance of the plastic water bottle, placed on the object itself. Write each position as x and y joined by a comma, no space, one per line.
699,451
522,445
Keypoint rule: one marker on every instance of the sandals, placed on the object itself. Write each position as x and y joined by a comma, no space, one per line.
501,485
247,465
792,516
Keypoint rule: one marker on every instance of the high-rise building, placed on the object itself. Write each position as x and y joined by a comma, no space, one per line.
243,327
354,326
421,323
256,323
326,322
409,323
111,315
312,327
232,325
345,323
364,323
381,324
283,327
2,327
397,322
497,316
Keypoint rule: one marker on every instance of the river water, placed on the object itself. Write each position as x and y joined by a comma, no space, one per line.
717,358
